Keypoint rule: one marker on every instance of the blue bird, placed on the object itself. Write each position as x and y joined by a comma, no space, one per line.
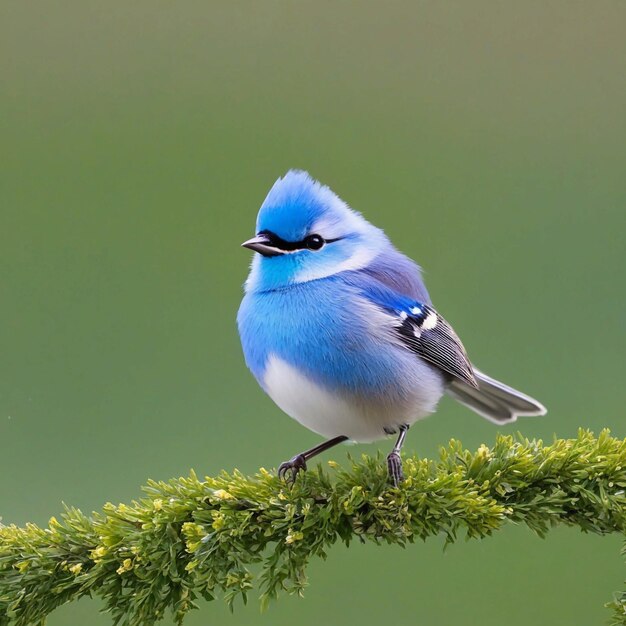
339,330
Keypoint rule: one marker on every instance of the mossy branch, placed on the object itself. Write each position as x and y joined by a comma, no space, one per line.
189,539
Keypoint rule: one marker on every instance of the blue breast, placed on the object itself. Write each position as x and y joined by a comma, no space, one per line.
322,328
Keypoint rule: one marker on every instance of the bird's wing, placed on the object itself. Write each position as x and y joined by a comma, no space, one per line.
423,331
427,333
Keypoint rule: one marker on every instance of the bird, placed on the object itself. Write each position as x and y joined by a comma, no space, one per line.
338,328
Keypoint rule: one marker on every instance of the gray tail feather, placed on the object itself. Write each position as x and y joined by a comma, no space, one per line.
494,400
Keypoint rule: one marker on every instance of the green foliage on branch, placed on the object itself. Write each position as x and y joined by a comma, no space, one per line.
189,539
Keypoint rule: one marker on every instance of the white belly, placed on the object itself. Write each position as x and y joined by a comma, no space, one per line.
330,414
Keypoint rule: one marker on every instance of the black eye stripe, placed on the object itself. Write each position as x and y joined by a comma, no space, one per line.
290,246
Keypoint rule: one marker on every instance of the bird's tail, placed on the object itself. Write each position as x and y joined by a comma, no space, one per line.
494,400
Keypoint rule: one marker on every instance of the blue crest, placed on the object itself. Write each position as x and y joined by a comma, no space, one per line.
294,204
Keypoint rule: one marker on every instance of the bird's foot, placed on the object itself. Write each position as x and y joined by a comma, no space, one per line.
289,469
394,467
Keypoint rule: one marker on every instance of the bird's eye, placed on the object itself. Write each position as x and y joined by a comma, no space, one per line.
314,242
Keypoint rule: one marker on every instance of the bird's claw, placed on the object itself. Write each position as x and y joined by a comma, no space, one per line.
290,469
394,467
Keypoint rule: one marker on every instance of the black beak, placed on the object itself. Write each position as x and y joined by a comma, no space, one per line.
263,245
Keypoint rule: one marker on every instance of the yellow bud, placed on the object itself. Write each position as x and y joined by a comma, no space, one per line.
126,566
483,451
222,494
98,553
293,536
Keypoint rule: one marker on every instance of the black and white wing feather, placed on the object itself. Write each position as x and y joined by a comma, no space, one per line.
428,334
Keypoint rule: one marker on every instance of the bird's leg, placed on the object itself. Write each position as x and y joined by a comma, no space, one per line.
289,469
394,461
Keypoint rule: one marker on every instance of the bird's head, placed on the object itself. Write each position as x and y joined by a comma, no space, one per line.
305,232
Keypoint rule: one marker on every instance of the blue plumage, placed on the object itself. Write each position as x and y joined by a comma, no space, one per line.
338,328
322,327
293,205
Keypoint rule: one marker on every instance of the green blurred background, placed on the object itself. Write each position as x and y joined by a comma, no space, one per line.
138,141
